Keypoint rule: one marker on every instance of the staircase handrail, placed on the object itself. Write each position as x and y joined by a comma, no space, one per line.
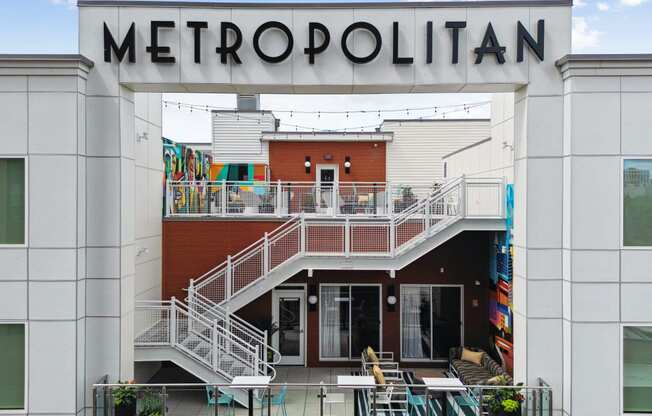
435,194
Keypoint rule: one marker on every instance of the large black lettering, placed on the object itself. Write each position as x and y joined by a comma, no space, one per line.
128,44
456,26
369,28
224,49
197,27
288,49
523,36
490,44
313,50
155,49
429,42
396,59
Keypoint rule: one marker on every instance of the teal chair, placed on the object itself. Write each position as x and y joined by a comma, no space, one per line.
225,399
415,402
277,400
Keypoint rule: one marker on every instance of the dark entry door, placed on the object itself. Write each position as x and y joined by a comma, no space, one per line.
446,320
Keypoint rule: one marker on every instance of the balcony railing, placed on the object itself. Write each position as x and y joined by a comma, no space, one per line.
323,398
284,198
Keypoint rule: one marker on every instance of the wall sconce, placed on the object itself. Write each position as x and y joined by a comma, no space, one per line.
312,298
347,164
391,298
307,165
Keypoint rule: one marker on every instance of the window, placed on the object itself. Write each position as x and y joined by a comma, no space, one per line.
637,369
637,202
431,321
238,173
349,321
12,201
12,363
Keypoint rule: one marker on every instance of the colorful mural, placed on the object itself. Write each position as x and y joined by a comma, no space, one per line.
500,294
182,163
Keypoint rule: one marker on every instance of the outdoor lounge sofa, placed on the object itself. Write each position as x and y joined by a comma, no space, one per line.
471,373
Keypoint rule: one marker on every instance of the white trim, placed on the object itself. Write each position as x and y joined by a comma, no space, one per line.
622,202
26,380
400,311
380,318
622,366
26,203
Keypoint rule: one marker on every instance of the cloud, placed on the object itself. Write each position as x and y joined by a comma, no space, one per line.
579,3
632,3
603,7
583,36
70,3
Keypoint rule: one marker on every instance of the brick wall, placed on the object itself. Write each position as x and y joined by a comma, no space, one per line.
286,160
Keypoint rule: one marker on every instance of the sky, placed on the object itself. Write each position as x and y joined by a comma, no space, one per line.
50,26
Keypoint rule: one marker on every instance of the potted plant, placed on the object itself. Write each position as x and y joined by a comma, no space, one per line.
406,200
308,203
266,205
150,404
504,401
124,399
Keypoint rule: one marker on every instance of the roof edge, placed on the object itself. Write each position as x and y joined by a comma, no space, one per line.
624,57
335,5
44,57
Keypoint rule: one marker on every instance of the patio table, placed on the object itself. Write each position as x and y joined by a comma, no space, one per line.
251,383
443,386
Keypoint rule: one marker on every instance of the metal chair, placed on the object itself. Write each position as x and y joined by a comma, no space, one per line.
415,402
276,400
225,399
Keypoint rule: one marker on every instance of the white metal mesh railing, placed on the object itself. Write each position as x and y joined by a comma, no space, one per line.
261,198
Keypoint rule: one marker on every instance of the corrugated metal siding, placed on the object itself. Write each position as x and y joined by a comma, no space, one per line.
237,138
414,156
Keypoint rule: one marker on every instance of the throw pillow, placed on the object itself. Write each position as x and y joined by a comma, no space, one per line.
372,355
378,375
472,356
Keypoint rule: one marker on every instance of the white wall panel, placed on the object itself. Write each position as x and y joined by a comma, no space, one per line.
13,107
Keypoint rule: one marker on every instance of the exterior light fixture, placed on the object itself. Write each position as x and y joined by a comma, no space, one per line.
391,298
347,164
312,300
307,164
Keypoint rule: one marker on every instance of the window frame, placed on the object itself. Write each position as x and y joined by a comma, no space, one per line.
622,366
400,311
25,243
622,202
351,357
26,366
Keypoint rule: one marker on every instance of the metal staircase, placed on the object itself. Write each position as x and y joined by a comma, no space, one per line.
207,339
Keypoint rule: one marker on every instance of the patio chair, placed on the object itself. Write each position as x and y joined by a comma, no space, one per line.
394,393
415,402
277,400
384,360
225,399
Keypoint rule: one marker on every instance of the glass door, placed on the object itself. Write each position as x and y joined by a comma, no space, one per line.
365,319
326,177
446,320
288,312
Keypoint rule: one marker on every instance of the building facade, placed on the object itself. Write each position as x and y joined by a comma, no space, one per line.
81,229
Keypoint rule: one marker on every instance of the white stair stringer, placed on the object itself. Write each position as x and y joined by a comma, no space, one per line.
191,365
405,257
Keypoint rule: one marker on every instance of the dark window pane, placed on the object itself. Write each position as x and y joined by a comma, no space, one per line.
12,367
12,201
289,327
415,321
637,369
365,319
637,205
446,320
334,321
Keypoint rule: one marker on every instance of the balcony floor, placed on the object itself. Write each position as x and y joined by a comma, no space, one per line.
301,401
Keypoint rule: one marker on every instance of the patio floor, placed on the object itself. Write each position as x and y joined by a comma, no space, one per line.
301,401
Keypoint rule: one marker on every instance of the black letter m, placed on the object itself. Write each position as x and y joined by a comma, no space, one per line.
129,43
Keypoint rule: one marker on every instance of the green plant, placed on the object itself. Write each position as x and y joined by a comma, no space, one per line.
150,404
125,394
406,193
505,400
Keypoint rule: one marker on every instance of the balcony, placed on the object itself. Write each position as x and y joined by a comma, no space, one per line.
331,199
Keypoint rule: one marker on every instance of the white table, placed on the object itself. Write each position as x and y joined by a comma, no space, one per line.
444,385
251,382
356,381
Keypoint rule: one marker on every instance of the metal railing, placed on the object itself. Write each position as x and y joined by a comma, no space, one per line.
302,236
253,198
325,398
210,342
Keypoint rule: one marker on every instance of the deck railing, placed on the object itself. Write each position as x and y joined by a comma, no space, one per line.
270,199
330,399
